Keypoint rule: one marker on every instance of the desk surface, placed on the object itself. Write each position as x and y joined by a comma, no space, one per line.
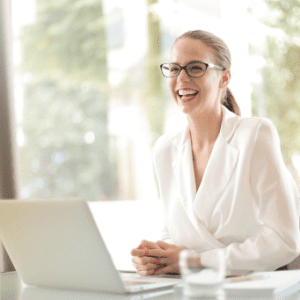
12,288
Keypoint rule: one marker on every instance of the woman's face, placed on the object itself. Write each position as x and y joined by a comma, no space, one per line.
204,92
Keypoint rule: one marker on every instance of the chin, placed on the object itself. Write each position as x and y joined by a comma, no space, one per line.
186,110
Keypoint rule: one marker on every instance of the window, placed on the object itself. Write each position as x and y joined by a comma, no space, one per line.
91,100
90,97
275,49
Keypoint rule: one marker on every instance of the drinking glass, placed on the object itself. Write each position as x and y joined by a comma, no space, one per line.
205,282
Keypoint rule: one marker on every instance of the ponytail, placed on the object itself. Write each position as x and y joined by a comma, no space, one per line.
230,103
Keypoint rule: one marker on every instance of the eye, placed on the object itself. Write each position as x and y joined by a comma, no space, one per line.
196,68
174,69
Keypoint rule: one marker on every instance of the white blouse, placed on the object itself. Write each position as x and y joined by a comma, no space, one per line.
247,202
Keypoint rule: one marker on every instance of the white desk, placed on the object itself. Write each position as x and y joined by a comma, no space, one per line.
12,288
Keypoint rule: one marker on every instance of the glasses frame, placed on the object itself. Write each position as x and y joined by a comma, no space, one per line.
208,65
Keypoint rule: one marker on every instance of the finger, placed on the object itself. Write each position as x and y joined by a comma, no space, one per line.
142,260
163,245
142,251
166,269
146,273
156,261
147,267
144,247
148,259
150,252
139,252
158,267
160,261
148,245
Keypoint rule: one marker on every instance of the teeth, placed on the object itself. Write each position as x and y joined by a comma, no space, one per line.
186,92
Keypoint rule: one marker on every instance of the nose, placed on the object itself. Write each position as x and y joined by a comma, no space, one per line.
183,76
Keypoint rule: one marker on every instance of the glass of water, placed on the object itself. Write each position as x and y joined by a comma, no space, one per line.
205,282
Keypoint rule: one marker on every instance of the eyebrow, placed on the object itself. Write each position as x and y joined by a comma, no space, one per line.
190,62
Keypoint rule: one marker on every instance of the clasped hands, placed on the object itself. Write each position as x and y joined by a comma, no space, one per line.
152,258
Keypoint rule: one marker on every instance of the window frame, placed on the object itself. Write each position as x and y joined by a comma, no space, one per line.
8,150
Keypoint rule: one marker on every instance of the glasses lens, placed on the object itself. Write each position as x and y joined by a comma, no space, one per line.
170,70
196,69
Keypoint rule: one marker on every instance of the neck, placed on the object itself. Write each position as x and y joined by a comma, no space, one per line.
205,128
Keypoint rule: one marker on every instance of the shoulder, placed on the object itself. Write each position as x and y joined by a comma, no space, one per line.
254,121
256,133
257,125
243,128
252,132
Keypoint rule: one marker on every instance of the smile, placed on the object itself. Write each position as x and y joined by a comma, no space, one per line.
186,93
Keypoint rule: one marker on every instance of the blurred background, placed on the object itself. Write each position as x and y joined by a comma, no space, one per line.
90,100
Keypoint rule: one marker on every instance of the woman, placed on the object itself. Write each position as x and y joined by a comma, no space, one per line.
222,180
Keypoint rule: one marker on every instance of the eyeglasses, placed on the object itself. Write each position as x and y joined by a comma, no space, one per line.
193,69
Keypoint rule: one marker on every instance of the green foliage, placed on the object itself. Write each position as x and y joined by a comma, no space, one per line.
67,147
281,75
154,100
64,53
56,160
67,41
285,14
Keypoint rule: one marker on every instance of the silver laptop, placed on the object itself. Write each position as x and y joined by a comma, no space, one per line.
56,243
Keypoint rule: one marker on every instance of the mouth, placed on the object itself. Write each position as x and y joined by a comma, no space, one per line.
187,94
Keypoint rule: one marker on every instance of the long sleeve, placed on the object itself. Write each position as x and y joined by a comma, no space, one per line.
165,235
276,200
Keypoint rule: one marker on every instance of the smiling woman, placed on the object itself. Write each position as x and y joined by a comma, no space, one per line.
222,57
222,179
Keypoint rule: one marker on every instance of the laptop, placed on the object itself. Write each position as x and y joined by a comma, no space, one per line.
56,243
33,292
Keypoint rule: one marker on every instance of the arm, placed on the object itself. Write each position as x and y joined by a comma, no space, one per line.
276,197
159,160
165,234
153,261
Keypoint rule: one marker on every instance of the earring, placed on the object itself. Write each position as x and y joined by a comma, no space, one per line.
225,78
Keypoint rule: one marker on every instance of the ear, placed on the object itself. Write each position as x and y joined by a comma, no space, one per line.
225,78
